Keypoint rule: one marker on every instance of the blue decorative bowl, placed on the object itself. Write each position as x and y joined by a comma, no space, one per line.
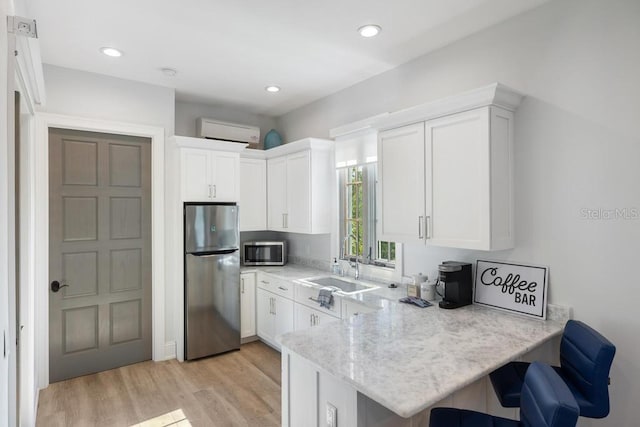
272,139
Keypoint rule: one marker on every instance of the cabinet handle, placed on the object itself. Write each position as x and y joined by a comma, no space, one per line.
274,307
270,305
215,192
316,319
427,219
420,219
283,225
286,220
283,288
264,281
242,283
310,319
209,190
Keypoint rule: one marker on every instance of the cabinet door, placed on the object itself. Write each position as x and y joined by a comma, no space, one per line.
458,177
265,320
302,393
253,195
283,309
195,171
247,305
307,317
304,317
298,218
277,191
401,184
224,180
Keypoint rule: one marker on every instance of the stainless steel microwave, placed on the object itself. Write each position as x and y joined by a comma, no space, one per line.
264,253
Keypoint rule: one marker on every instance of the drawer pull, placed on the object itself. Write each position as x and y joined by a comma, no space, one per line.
282,289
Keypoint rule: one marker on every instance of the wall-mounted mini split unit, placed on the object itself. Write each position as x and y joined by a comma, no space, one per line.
225,131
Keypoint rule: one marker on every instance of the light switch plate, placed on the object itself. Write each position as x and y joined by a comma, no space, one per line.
332,415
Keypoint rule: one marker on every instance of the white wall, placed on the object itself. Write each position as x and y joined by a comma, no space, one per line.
6,206
577,146
187,113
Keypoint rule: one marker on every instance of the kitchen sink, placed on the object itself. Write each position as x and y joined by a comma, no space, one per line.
343,286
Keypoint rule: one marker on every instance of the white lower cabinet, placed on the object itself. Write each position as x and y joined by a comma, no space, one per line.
247,305
275,316
311,395
306,317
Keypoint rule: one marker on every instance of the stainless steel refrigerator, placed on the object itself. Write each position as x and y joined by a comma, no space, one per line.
211,279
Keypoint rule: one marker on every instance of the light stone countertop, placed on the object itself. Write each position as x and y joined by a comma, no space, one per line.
408,358
286,272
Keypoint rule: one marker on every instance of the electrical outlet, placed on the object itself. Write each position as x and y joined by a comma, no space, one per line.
332,415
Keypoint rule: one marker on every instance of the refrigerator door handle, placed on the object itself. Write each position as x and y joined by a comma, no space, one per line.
214,254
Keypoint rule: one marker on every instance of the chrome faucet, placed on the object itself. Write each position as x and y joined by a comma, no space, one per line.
355,264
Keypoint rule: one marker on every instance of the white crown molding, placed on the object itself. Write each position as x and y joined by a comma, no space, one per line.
493,94
253,153
209,144
300,145
357,127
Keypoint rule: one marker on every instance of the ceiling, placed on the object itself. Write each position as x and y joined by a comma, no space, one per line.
227,51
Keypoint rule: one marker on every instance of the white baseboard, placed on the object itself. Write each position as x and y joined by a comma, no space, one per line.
169,350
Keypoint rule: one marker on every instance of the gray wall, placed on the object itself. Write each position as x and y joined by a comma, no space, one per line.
577,147
79,93
309,246
187,113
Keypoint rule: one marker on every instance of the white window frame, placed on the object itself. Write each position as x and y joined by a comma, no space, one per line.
381,272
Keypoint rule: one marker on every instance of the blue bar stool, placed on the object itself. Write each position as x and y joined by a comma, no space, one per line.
585,362
546,402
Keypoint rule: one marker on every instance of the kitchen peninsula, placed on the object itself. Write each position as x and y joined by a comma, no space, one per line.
391,366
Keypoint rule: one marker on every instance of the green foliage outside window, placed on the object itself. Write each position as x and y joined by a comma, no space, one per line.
357,213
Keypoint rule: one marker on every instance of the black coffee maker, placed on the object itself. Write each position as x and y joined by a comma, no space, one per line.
456,278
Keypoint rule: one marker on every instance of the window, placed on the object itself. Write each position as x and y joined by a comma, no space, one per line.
358,218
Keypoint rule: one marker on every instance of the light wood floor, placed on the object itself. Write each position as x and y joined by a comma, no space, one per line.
240,388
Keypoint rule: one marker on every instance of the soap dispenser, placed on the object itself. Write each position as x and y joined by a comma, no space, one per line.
335,267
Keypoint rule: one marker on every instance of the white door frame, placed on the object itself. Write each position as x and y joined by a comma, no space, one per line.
44,121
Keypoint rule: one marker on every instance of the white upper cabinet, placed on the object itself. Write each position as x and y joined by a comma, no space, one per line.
209,170
300,192
300,184
449,181
458,199
253,194
277,191
401,195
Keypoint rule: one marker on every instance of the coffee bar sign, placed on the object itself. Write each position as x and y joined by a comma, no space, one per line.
518,288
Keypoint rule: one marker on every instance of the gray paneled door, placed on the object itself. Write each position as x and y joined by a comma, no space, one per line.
99,252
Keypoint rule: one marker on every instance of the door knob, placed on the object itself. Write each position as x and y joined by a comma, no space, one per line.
55,286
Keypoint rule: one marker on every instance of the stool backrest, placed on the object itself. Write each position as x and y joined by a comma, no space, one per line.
546,401
585,360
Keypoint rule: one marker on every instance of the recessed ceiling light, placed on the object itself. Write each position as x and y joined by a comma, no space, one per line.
272,89
169,72
111,51
370,30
